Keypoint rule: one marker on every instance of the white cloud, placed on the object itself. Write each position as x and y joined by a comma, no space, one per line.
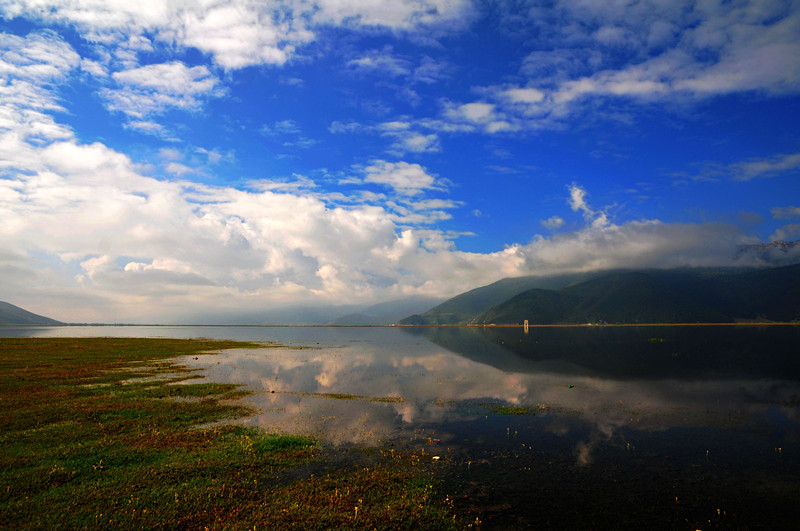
338,127
787,232
523,95
768,167
40,57
674,51
553,222
290,132
147,127
431,71
778,165
154,89
635,244
236,33
417,143
577,198
406,139
478,112
135,248
382,61
29,68
474,116
577,201
241,34
213,156
406,136
788,212
405,178
178,169
94,68
396,14
283,127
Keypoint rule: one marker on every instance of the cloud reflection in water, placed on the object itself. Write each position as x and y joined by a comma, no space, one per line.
395,386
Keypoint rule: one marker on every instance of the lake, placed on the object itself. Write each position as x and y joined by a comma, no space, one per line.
693,427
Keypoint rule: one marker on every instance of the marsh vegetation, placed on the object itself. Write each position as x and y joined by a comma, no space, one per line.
93,437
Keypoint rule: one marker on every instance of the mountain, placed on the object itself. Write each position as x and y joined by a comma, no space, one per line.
616,298
462,308
386,313
678,297
685,295
14,315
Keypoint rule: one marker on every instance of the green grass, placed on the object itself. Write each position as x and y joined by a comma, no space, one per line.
512,410
105,433
346,396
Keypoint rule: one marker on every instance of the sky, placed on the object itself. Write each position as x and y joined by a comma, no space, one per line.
159,159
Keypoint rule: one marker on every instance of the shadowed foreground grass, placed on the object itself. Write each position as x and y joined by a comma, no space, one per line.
104,432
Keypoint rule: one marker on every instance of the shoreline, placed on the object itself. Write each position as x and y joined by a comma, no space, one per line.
561,325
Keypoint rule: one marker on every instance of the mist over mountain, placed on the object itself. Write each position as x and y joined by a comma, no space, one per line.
14,315
464,307
386,313
383,313
709,295
775,254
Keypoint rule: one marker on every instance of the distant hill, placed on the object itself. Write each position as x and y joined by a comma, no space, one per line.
666,296
14,315
318,315
386,313
463,308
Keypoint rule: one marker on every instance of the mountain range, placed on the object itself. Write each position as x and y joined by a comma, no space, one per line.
651,296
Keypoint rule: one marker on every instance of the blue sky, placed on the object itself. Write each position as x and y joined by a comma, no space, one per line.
158,157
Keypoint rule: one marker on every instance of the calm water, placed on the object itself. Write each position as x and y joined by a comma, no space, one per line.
697,423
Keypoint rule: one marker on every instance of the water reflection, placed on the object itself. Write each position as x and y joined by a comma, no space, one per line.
585,386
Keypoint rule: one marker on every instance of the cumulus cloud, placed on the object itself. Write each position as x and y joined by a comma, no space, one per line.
133,246
127,244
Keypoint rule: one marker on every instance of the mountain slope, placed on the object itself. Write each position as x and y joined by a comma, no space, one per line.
14,315
465,307
637,297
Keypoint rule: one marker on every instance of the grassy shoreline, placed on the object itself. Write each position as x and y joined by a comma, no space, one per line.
93,437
